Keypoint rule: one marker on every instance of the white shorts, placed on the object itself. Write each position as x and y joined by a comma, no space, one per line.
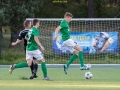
36,54
70,44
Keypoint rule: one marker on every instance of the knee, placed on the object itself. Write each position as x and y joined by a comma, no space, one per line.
43,60
29,63
35,61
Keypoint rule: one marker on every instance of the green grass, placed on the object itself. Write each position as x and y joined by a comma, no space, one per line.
103,79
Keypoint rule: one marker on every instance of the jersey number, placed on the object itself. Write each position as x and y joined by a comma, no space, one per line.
29,36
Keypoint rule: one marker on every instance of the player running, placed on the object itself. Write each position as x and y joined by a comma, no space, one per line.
22,34
64,29
32,50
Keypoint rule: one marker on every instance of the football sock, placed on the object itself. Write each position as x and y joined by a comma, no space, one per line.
72,58
21,65
80,55
44,69
31,67
35,68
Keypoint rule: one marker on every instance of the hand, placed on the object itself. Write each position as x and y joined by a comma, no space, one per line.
55,39
42,48
13,43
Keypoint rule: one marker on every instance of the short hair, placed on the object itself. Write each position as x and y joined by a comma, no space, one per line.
35,21
26,23
68,14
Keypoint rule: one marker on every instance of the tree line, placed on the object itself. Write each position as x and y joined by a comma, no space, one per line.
14,12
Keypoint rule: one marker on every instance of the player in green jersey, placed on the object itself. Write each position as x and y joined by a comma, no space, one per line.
77,51
32,50
22,34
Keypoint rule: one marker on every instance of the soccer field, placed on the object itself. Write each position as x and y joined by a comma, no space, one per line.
103,79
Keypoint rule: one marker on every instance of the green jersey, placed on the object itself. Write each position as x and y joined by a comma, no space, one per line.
31,44
65,31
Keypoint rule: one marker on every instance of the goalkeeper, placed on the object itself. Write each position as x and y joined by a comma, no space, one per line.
22,34
69,43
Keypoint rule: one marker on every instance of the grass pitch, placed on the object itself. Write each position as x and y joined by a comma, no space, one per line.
103,79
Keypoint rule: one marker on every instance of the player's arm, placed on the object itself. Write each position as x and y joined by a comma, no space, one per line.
108,42
56,32
26,38
18,39
38,42
17,42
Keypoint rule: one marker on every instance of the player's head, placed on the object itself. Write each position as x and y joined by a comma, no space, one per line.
27,24
36,23
68,16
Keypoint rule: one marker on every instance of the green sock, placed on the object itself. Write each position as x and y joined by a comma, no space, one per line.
44,69
21,65
72,58
81,58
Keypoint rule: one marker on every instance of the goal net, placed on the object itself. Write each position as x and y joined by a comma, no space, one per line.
99,38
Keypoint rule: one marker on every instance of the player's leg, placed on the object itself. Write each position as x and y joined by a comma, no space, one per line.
72,58
39,56
80,54
31,67
70,46
44,69
34,64
19,65
35,68
78,51
22,64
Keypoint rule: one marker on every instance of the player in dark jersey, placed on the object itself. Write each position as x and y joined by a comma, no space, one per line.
22,34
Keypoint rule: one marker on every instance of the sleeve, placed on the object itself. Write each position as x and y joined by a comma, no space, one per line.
20,36
62,25
36,33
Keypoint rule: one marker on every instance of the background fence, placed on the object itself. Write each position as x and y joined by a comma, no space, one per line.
14,54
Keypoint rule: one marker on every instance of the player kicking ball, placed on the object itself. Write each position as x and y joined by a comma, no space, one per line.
32,50
64,29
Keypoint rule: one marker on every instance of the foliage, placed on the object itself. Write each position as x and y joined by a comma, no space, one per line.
14,12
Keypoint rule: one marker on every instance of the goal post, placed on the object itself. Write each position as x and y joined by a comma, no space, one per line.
99,38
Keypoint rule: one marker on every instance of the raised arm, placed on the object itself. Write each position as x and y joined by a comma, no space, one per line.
56,32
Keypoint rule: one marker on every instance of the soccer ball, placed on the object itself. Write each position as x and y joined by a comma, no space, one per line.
88,66
88,75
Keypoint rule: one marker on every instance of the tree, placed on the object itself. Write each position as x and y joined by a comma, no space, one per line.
14,12
91,8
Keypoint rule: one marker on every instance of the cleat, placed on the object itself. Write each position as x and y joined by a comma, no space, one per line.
65,69
33,76
12,67
84,68
47,78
